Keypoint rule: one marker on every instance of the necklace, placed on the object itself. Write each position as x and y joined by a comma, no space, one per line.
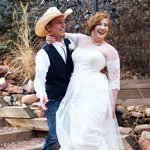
96,42
100,44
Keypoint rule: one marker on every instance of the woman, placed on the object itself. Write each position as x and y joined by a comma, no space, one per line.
85,118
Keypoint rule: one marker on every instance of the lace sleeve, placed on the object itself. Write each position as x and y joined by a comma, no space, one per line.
75,37
113,67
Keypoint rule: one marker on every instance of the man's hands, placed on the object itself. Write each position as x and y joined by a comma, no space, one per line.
50,39
104,70
43,101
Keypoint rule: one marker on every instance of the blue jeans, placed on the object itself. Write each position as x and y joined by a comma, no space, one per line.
51,142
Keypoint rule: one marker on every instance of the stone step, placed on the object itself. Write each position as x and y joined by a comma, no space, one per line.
21,139
127,146
25,140
30,147
16,135
28,144
1,122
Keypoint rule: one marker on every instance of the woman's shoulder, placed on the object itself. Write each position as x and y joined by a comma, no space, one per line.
110,47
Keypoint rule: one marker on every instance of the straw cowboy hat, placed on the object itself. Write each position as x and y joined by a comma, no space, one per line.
49,15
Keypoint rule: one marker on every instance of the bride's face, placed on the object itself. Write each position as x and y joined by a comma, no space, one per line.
101,30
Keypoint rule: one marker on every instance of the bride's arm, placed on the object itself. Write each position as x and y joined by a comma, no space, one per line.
75,37
113,66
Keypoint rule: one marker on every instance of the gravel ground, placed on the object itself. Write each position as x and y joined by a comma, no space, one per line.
21,144
8,129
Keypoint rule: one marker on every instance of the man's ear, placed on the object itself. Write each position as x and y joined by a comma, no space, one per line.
48,27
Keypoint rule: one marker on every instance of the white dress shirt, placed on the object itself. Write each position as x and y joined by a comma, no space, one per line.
42,66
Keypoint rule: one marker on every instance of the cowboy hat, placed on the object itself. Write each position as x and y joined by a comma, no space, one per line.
49,15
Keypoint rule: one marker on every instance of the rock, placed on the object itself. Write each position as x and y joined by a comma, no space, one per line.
136,114
124,130
29,87
3,102
18,103
5,94
19,97
36,104
144,144
2,80
7,99
131,108
9,88
3,83
11,81
147,112
138,108
121,108
17,89
139,128
124,116
4,69
13,89
23,105
146,134
133,142
34,107
39,113
29,99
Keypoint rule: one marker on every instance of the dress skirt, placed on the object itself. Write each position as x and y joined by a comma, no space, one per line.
84,119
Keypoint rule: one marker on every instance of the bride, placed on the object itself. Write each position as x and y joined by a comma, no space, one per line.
85,119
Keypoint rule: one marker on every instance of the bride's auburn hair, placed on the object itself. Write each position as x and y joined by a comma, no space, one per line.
95,19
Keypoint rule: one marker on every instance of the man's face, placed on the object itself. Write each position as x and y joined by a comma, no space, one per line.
57,27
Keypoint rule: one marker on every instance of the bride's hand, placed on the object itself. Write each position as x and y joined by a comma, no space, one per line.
50,39
113,112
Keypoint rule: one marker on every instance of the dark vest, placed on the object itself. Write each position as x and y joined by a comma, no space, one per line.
59,72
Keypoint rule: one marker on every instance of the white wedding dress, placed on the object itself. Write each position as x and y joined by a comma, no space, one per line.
84,119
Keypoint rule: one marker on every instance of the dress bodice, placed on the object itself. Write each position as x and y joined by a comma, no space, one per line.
88,61
89,58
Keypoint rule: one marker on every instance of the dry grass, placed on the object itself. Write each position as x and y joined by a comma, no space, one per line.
23,49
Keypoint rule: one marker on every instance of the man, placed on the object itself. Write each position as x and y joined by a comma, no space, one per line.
53,69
